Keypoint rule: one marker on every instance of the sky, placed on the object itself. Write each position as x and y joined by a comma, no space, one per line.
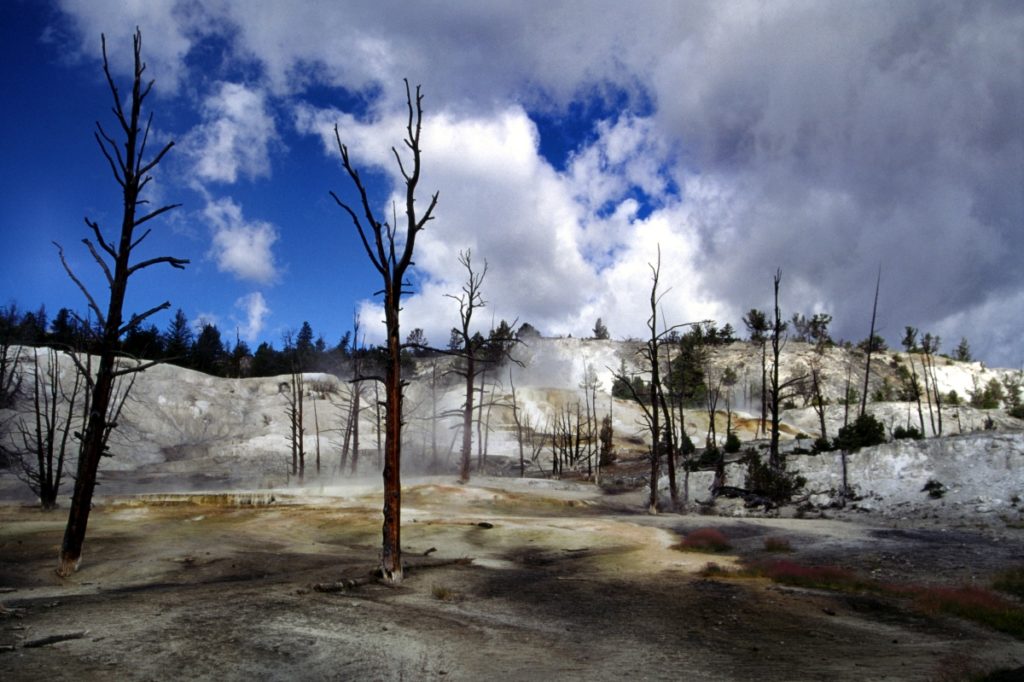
569,142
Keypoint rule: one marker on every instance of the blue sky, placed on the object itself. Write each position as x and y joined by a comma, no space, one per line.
568,141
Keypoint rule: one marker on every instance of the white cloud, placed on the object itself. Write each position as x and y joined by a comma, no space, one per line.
235,137
822,138
255,309
539,231
203,319
241,247
168,34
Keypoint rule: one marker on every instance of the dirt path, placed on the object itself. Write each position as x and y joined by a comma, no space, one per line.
560,588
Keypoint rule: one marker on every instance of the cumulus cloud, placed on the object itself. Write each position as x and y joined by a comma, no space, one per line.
254,307
169,33
544,240
241,247
235,136
823,138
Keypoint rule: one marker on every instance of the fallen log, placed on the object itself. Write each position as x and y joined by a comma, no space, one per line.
346,584
343,585
53,639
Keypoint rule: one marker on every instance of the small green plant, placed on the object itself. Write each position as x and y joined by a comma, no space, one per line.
713,570
973,603
821,444
969,602
935,489
1011,582
909,432
777,545
864,432
704,540
443,593
686,446
732,443
818,577
708,458
776,485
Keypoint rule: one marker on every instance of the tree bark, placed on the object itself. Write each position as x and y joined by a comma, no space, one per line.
131,172
392,262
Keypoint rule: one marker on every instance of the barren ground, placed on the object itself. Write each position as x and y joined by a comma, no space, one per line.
564,584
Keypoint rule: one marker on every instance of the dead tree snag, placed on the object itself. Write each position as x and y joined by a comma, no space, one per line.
131,170
391,258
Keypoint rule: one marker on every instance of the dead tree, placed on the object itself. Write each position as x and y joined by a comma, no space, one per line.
468,349
296,418
131,170
10,372
929,346
589,385
517,419
757,324
46,440
777,388
818,400
910,345
652,403
316,427
391,255
871,345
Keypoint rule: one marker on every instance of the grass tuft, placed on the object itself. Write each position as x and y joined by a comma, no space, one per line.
977,604
443,592
1011,582
777,545
820,577
713,570
704,540
973,603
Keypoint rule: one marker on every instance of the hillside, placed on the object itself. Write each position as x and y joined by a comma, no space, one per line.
185,430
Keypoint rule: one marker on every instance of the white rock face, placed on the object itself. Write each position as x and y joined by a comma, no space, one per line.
975,470
184,428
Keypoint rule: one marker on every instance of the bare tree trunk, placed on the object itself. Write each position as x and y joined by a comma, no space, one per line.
778,327
480,423
131,173
377,420
316,425
356,409
935,385
467,418
519,424
928,393
819,400
871,345
44,444
434,461
392,268
764,386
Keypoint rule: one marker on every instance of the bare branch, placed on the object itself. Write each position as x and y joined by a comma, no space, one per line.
139,240
136,319
381,258
178,263
145,139
92,302
142,367
110,160
156,159
154,214
121,162
102,264
118,111
109,248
